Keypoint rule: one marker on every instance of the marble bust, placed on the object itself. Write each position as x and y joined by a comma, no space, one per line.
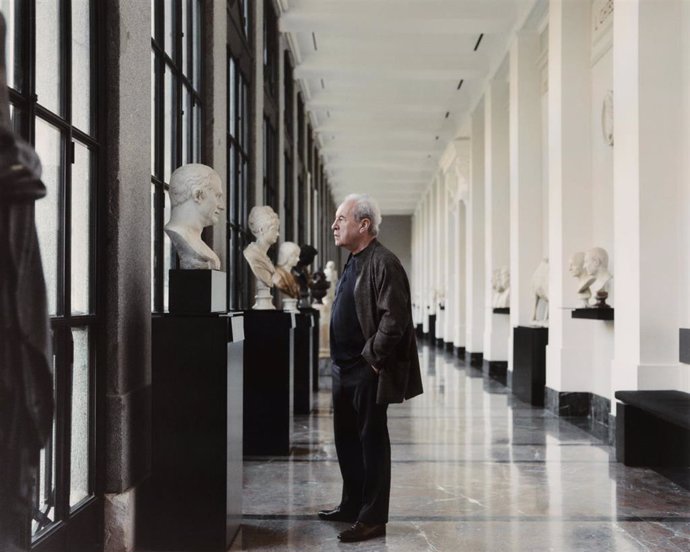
196,196
265,226
577,270
288,255
502,287
332,276
596,265
540,292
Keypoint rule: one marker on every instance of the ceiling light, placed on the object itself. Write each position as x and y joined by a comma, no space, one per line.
476,46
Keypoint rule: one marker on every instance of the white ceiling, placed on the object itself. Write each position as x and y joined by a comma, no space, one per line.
381,79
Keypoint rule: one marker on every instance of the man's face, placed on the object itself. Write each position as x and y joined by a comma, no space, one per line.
211,202
347,232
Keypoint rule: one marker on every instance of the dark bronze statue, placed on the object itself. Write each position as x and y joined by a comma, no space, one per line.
302,274
26,391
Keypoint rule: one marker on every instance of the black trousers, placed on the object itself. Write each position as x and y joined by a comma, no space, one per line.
362,444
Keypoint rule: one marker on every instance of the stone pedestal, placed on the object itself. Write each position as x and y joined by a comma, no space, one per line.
193,499
529,364
268,382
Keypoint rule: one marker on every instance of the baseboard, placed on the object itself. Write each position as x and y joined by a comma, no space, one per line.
497,370
459,352
474,359
594,411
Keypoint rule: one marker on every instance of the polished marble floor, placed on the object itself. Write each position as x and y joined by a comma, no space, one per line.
473,470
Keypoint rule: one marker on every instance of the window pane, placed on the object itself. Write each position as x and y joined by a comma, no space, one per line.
197,133
186,126
185,37
12,10
81,229
154,144
196,44
168,127
231,96
49,149
168,255
48,59
79,450
169,31
81,65
153,248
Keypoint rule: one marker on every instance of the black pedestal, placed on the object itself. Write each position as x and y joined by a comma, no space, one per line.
268,382
593,313
193,500
315,345
684,345
529,363
432,329
303,381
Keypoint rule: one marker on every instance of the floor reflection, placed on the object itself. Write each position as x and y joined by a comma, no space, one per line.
473,469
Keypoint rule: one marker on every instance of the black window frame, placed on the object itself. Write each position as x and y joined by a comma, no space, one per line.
186,80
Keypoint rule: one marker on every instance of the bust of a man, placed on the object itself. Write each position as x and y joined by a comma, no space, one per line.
196,196
264,224
288,255
596,266
502,287
576,267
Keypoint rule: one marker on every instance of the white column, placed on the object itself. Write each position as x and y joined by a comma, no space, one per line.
449,254
475,237
497,214
426,245
569,353
526,190
647,182
440,251
459,275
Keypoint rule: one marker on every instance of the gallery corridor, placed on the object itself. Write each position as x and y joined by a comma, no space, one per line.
474,470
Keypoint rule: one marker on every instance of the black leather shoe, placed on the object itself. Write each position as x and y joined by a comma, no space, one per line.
336,514
361,531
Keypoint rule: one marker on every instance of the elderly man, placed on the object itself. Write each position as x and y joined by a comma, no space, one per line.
375,363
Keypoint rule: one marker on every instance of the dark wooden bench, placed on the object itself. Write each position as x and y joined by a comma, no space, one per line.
653,428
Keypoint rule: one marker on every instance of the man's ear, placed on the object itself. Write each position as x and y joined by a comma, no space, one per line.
197,193
366,224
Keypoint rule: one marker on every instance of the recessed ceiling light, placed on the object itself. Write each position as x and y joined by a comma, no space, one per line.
479,40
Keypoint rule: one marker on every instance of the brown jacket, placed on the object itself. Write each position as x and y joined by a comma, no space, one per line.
382,302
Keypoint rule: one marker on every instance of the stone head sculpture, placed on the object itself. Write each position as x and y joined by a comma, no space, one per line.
264,224
596,266
288,255
196,196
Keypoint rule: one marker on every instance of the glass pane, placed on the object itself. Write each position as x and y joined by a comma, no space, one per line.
48,59
196,43
12,10
168,125
44,491
231,97
169,31
186,126
153,248
154,145
197,133
79,449
49,149
185,37
168,255
81,229
81,65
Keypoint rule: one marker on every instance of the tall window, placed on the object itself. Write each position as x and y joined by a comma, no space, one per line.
176,119
289,194
271,93
52,75
238,186
240,189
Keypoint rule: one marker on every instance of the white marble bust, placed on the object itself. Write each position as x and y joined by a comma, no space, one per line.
332,277
288,256
196,196
577,270
265,225
540,291
596,266
502,276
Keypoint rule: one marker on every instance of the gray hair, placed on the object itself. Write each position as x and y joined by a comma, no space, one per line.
366,207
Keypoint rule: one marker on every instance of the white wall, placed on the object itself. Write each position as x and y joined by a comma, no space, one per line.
396,234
